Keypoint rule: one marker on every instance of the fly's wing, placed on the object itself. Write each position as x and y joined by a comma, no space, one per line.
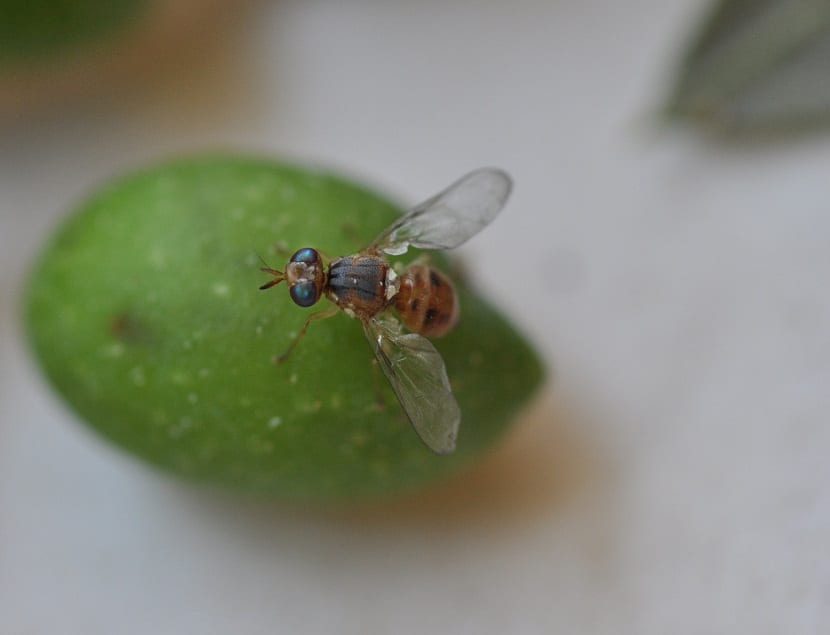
418,376
450,218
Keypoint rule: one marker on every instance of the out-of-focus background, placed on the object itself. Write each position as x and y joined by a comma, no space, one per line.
672,478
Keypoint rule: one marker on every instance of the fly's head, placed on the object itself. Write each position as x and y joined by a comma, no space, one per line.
304,274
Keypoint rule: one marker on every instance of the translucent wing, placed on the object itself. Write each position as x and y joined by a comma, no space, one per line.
418,376
450,218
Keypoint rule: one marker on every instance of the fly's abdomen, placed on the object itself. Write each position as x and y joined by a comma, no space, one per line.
358,284
426,301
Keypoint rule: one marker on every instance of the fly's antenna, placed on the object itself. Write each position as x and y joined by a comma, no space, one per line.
262,260
279,276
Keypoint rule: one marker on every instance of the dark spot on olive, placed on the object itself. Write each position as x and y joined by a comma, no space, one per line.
126,328
413,304
430,316
434,279
119,324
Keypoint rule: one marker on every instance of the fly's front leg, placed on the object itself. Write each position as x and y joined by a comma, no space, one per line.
320,315
280,248
350,232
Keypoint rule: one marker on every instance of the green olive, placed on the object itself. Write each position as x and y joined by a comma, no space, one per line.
145,315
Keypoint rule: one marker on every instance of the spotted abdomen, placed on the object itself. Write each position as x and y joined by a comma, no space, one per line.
426,301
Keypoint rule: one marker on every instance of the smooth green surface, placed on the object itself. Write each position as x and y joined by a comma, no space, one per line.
144,313
758,65
37,30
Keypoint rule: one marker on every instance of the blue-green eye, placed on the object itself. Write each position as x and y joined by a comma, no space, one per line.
304,293
306,255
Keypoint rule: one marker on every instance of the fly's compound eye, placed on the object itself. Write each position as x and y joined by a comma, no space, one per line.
304,293
307,255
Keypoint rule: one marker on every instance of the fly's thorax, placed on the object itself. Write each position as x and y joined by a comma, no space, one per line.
426,301
358,284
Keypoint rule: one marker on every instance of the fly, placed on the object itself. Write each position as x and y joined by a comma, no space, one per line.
365,286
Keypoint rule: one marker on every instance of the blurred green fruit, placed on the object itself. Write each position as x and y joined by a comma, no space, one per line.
145,315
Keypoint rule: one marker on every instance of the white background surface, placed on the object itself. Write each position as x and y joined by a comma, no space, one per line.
674,477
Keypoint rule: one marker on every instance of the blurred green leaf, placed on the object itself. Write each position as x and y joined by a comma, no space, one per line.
758,64
36,30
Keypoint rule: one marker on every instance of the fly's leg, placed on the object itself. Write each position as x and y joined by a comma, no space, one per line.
349,230
280,249
320,315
